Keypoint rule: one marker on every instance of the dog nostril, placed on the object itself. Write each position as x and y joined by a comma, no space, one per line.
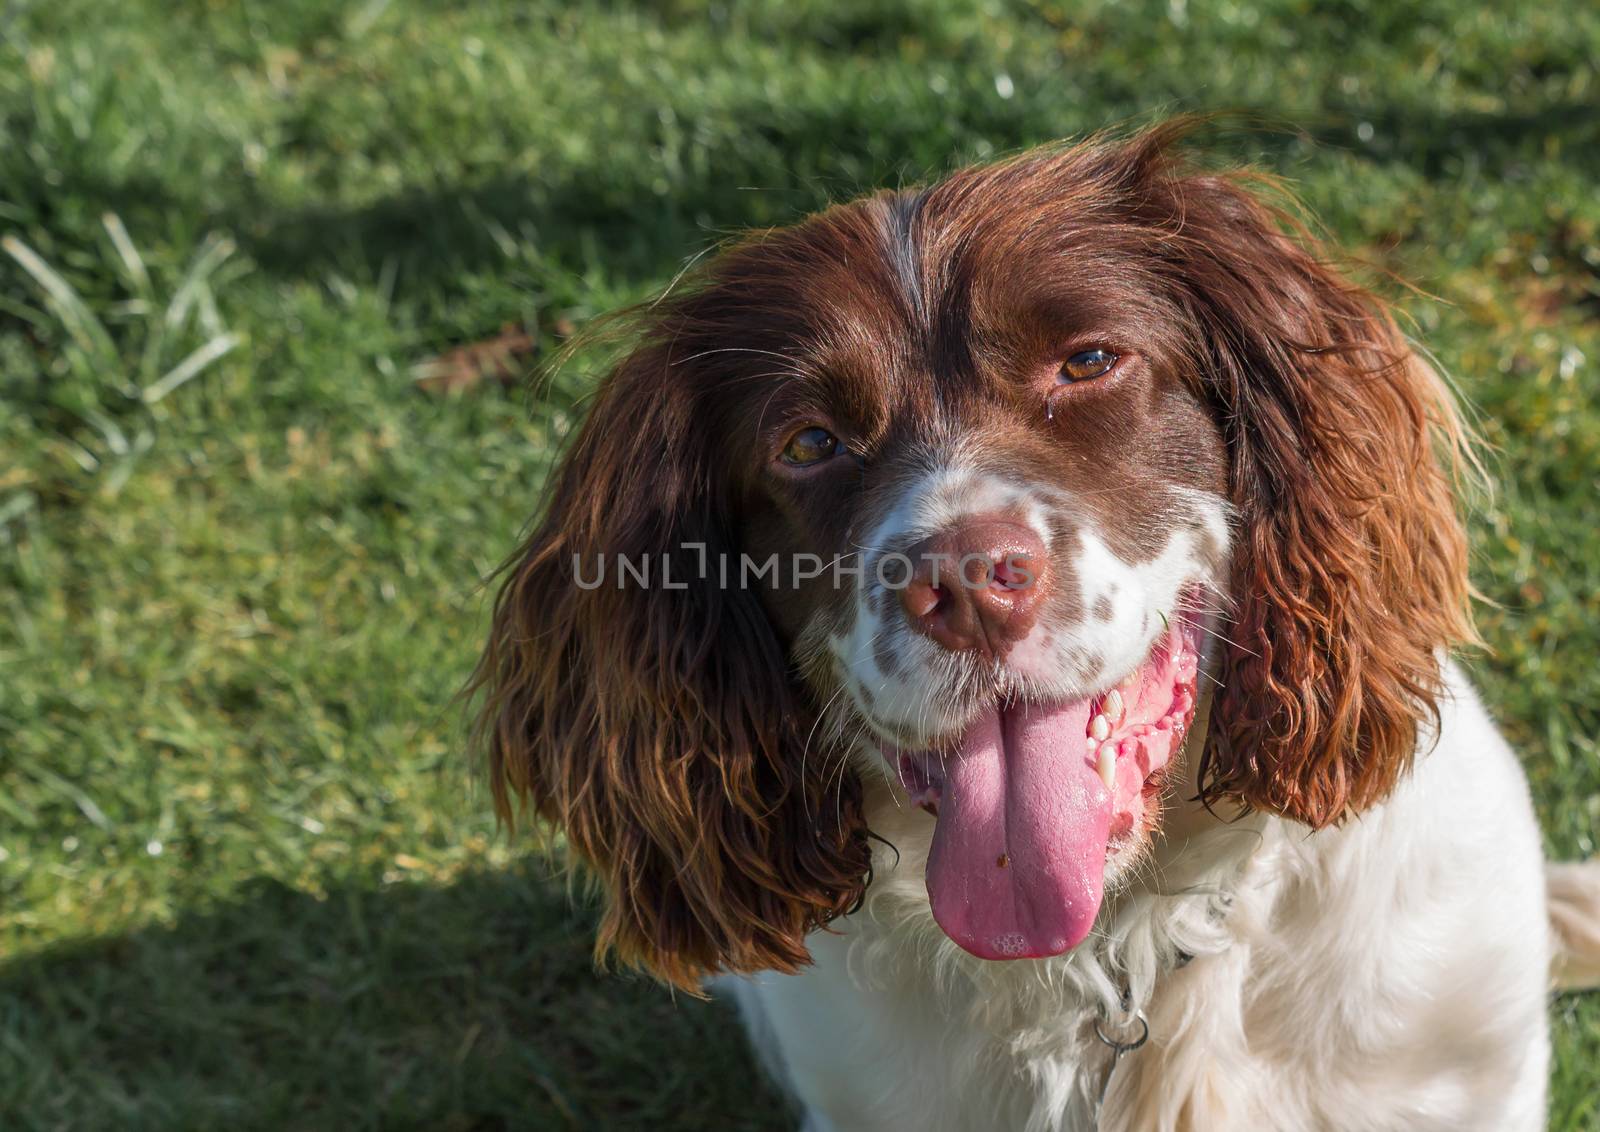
924,600
1011,574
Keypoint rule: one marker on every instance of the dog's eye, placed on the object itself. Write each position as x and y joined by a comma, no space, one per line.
1088,364
810,446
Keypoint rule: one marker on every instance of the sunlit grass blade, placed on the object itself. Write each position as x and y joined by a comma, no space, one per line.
212,254
132,263
188,369
71,790
74,313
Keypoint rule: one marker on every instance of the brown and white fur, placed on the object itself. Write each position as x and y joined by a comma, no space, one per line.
1322,882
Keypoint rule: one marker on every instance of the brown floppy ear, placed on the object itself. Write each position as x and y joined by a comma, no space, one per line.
1349,567
656,725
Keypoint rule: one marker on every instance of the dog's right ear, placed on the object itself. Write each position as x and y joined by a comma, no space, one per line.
655,723
1350,558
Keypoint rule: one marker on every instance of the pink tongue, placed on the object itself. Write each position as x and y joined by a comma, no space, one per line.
1019,850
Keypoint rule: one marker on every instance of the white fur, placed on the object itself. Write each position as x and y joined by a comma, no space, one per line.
1389,974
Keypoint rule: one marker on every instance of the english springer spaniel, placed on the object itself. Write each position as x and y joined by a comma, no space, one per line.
1000,631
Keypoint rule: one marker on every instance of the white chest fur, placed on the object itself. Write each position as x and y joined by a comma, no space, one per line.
1389,974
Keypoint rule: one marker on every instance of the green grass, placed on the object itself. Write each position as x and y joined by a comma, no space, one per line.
244,879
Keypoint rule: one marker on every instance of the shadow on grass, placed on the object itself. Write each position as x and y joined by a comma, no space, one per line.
625,224
473,1006
1437,145
623,219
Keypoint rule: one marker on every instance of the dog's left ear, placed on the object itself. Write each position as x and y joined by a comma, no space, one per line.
1349,568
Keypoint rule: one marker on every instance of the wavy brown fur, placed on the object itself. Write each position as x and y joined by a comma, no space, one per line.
659,728
1350,561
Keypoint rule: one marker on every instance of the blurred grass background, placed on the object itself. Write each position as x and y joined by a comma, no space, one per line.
244,880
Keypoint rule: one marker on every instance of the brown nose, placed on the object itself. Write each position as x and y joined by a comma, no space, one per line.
977,586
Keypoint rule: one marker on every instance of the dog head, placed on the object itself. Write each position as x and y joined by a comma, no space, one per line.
973,486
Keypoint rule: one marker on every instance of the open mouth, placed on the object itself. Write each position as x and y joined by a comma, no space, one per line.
1029,798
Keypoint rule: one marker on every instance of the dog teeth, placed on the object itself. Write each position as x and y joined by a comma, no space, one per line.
1099,727
1107,765
1112,708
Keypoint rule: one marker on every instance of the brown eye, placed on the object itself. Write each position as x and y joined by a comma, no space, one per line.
810,446
1088,364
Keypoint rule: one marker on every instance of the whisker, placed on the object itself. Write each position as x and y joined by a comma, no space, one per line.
734,350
